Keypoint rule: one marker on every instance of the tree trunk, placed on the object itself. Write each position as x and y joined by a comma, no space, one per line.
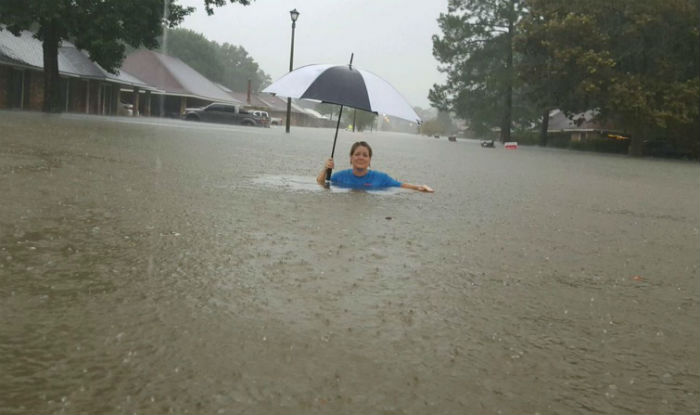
507,115
52,89
544,127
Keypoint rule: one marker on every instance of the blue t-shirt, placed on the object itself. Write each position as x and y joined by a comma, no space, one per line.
372,180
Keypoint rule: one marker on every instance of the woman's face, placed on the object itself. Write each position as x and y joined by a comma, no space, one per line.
360,159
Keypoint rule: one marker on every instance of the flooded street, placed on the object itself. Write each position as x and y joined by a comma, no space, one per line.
161,266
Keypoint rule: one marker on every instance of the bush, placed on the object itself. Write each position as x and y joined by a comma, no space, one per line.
527,137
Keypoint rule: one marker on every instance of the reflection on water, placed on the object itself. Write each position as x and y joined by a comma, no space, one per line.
158,267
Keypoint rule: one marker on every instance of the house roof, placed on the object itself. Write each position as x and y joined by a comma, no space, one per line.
270,102
173,76
73,61
315,113
279,104
243,98
23,49
26,51
558,121
273,102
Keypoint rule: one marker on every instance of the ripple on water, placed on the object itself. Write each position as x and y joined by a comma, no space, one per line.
308,184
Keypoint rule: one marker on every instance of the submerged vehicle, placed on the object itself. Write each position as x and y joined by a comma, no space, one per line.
225,113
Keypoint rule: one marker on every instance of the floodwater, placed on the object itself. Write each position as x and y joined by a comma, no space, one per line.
160,266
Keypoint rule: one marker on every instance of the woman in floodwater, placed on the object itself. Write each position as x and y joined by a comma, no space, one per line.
360,176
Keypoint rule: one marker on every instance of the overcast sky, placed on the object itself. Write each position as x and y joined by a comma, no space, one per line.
391,38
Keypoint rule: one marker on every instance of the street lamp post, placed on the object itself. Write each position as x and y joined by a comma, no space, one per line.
294,15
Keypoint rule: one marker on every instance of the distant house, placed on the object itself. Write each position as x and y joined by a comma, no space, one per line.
579,127
278,109
300,115
85,86
180,85
583,130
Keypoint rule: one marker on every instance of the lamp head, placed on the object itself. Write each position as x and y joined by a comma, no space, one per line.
294,14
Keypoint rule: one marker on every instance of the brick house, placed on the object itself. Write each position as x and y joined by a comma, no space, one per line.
85,86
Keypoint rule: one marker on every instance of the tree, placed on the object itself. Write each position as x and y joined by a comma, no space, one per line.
476,53
440,125
101,27
360,119
559,68
239,67
226,64
634,61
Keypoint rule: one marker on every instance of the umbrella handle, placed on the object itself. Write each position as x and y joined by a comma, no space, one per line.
337,125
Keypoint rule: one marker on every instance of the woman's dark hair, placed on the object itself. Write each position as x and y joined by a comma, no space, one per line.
360,144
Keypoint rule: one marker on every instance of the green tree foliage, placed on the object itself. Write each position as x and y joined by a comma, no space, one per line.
365,120
357,119
210,4
476,52
240,67
440,125
101,27
226,64
635,61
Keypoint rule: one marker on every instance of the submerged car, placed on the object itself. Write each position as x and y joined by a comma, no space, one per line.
224,113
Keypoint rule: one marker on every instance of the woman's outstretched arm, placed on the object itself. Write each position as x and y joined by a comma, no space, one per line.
419,187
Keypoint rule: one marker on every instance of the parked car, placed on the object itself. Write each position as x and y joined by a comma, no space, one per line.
224,113
125,109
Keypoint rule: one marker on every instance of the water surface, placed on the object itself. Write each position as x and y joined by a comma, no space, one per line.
158,266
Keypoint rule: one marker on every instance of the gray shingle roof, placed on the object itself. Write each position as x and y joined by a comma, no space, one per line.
279,104
173,76
24,50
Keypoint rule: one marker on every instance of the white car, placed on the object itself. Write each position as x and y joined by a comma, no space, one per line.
125,109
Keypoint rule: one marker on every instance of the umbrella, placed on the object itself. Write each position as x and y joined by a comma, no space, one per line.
346,86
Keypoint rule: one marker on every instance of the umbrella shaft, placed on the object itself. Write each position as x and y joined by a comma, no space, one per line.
337,125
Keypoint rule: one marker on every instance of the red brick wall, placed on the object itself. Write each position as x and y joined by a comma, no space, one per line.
77,95
94,93
36,91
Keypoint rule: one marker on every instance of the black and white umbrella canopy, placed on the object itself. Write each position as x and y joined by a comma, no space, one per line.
344,85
